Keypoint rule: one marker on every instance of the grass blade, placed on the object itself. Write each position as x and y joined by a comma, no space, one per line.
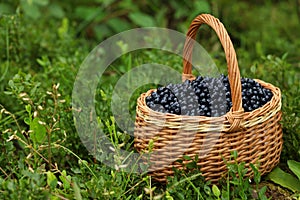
285,179
295,167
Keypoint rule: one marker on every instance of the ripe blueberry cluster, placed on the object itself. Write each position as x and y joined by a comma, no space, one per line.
206,96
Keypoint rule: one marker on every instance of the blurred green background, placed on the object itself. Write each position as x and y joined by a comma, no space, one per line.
43,42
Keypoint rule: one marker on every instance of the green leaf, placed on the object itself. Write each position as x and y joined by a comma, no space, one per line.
56,10
295,167
77,193
27,120
102,31
28,108
65,179
262,192
168,196
180,195
118,25
11,186
151,145
51,179
31,10
185,157
235,154
63,29
253,69
85,12
284,179
38,131
142,19
41,62
207,189
216,191
7,93
256,173
11,83
191,165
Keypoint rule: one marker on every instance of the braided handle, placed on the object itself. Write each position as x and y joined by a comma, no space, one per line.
232,64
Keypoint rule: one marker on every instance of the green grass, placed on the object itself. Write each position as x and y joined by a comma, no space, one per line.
43,45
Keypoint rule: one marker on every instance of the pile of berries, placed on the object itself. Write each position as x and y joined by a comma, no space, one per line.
206,96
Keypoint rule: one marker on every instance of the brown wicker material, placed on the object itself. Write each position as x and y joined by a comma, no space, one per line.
256,135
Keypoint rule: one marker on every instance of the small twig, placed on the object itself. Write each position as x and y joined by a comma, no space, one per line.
30,147
4,172
133,187
49,149
55,96
68,150
59,196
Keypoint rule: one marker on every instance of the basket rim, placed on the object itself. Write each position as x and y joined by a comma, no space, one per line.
249,119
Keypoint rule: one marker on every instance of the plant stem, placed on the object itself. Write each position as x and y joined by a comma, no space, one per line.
49,147
68,150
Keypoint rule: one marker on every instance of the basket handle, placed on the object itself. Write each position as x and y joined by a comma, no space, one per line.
232,64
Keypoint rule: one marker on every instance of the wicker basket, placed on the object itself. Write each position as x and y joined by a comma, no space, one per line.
256,135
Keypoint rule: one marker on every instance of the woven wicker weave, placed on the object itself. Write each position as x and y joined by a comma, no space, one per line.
256,135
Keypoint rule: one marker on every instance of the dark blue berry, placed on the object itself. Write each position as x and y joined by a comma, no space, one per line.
212,95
